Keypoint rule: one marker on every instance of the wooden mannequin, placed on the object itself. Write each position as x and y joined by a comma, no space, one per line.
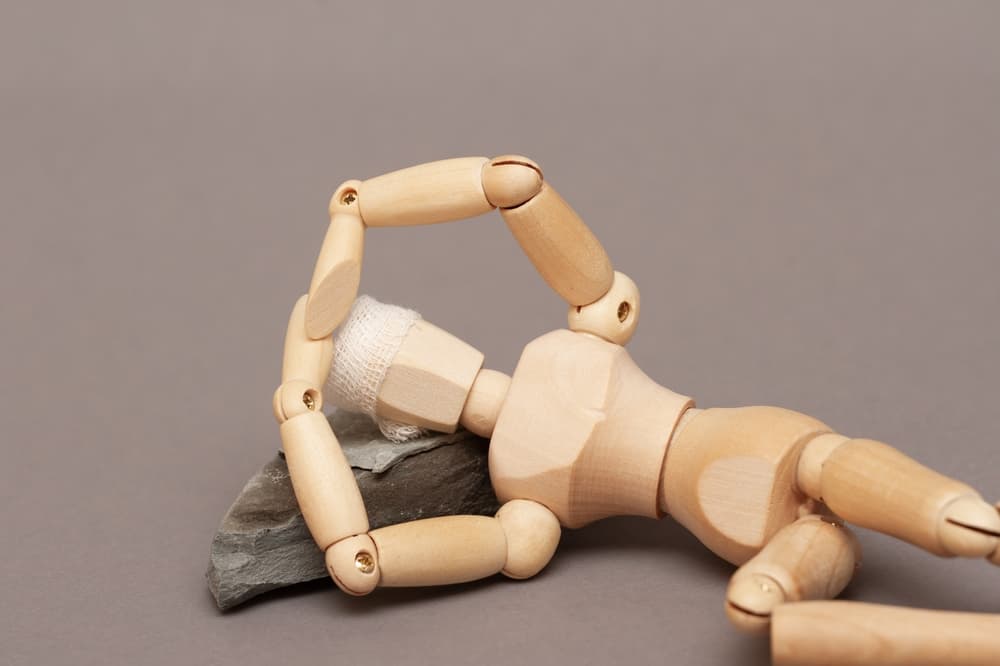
580,433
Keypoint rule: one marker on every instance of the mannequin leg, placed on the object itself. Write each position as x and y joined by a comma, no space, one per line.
810,559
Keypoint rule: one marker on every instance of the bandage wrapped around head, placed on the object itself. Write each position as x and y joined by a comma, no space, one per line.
363,350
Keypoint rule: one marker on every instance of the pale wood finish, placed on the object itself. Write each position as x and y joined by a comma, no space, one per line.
583,431
305,358
580,433
429,193
322,479
814,454
564,251
429,379
873,485
729,476
440,551
614,316
510,180
812,558
337,274
482,407
353,564
848,633
532,533
295,397
969,527
750,599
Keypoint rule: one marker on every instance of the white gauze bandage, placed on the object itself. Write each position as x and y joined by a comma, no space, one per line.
363,350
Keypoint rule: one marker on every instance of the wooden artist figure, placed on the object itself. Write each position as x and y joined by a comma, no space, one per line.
579,433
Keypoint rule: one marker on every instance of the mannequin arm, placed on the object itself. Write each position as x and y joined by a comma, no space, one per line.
324,484
564,251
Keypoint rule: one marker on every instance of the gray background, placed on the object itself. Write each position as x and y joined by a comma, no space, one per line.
808,196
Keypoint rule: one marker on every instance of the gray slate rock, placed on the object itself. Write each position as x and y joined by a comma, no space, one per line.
263,543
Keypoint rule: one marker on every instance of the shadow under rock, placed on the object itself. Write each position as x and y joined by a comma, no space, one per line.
318,586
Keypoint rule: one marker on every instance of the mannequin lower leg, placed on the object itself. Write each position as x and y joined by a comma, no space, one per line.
873,485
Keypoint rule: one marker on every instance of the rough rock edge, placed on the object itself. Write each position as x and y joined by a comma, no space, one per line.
263,544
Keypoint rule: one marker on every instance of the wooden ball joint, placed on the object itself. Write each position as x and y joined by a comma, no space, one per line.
612,317
579,433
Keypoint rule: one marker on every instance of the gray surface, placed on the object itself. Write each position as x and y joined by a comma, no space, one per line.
263,543
807,195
